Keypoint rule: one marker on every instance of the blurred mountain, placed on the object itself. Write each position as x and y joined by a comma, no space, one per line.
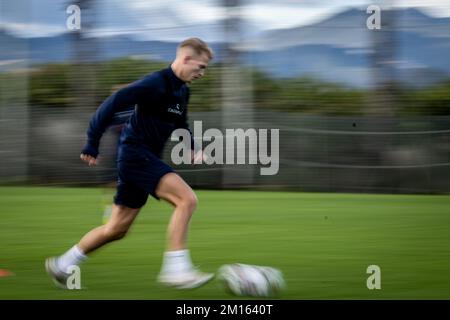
340,48
337,49
323,61
346,30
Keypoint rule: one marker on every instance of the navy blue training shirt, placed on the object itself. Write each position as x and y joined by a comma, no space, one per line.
159,101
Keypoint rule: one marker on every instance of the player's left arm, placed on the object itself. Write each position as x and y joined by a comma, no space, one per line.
105,115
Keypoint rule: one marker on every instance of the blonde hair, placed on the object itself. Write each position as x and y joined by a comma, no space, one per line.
198,45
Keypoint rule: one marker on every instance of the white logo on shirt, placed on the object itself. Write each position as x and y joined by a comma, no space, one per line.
176,111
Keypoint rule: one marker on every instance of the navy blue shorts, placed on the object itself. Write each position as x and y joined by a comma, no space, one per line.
139,172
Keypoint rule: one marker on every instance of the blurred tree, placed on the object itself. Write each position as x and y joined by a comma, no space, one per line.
433,100
49,86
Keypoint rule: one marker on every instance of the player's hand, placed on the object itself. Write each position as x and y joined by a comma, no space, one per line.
90,160
199,157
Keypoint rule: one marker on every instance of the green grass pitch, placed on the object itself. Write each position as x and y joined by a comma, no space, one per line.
323,243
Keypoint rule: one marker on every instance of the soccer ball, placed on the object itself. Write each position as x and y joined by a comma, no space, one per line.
250,280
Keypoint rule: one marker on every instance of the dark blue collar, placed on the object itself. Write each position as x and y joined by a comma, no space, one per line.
174,80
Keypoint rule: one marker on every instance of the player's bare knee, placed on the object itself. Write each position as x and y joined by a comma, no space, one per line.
190,202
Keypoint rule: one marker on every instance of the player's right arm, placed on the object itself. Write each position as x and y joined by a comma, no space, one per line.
122,100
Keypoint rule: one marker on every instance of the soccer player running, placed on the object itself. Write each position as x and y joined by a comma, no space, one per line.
160,101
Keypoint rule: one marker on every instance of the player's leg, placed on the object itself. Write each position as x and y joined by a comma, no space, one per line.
116,228
177,192
177,268
121,219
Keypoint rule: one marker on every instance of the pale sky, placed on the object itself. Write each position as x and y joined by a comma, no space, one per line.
175,19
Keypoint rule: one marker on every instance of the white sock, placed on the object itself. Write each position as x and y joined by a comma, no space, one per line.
74,256
176,261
